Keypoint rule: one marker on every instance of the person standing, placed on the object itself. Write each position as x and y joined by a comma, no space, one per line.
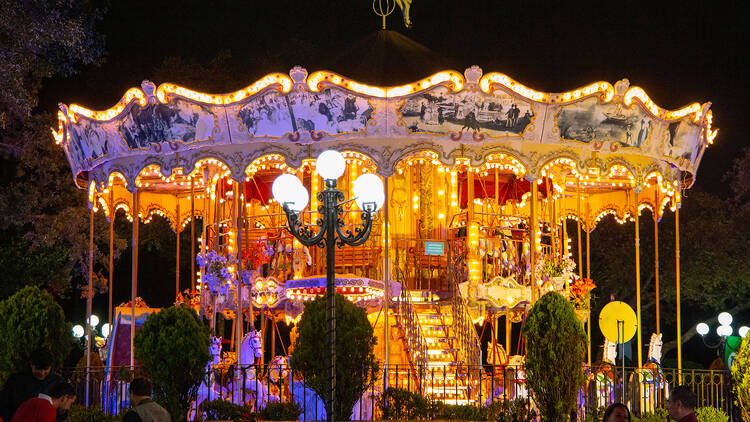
29,384
144,409
46,407
681,404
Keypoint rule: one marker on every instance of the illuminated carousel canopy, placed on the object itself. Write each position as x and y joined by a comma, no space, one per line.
611,139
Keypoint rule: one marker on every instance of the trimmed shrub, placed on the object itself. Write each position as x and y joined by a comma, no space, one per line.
29,320
555,352
173,347
356,366
711,414
741,378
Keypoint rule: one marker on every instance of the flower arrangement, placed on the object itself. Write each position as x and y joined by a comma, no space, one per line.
257,254
555,266
580,292
216,274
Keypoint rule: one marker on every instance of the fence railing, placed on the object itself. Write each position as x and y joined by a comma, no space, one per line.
641,390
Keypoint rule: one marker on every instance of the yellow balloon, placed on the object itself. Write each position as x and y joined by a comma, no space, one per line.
618,322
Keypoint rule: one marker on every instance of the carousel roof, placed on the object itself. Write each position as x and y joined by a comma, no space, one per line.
606,134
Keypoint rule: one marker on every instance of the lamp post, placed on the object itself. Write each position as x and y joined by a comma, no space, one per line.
369,197
724,330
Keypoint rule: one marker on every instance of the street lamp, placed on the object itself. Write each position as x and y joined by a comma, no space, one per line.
724,330
293,197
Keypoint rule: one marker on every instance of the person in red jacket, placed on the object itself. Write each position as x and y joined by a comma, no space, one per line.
45,407
681,404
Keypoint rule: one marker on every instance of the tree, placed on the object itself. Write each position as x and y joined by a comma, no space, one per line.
555,353
356,367
741,378
30,319
173,347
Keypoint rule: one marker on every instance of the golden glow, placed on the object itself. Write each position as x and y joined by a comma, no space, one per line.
604,89
475,267
656,111
452,79
165,90
111,113
710,134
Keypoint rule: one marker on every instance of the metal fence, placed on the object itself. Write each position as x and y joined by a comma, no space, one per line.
641,390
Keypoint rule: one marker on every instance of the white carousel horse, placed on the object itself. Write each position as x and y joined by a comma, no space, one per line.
518,389
251,349
210,389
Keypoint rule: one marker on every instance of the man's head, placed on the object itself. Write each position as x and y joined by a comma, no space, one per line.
63,395
140,388
41,363
681,402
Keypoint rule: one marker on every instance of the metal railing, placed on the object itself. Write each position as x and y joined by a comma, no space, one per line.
408,320
642,391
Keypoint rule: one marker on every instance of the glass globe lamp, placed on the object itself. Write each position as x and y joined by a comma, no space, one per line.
330,164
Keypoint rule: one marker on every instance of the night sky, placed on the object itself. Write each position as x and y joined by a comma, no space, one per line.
693,52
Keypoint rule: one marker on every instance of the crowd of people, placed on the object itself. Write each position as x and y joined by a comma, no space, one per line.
680,406
40,395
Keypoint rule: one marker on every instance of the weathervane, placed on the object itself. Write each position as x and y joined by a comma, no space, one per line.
385,8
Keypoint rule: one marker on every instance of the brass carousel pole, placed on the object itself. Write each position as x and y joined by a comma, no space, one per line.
192,237
588,275
656,255
89,298
134,278
204,240
386,284
564,219
112,213
533,204
677,280
177,254
638,276
237,214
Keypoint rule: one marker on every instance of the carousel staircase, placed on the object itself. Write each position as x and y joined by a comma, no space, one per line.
445,377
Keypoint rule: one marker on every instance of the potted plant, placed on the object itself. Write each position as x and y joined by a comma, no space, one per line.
580,296
555,270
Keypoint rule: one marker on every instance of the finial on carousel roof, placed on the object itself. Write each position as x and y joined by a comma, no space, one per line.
621,87
298,75
472,75
149,88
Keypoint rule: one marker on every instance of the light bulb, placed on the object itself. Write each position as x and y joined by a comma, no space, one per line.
78,331
93,320
330,164
284,186
743,331
106,328
368,189
725,318
702,328
298,199
724,330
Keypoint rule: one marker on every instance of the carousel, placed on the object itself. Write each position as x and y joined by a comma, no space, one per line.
485,178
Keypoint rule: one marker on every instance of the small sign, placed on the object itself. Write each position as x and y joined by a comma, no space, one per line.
434,248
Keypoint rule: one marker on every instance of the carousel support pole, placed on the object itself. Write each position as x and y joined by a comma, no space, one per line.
89,299
588,275
551,206
677,280
533,227
564,217
578,227
637,212
386,286
238,215
177,254
192,237
508,328
656,256
134,277
204,240
112,214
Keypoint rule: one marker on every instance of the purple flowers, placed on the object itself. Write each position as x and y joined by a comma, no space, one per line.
216,273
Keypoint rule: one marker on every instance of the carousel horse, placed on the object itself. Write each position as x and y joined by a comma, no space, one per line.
517,375
254,386
601,381
405,5
497,383
647,381
210,388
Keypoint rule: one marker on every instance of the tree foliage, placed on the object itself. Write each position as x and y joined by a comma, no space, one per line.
741,378
356,366
30,319
173,347
555,352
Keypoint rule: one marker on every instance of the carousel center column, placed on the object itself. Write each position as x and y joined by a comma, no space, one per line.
134,274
